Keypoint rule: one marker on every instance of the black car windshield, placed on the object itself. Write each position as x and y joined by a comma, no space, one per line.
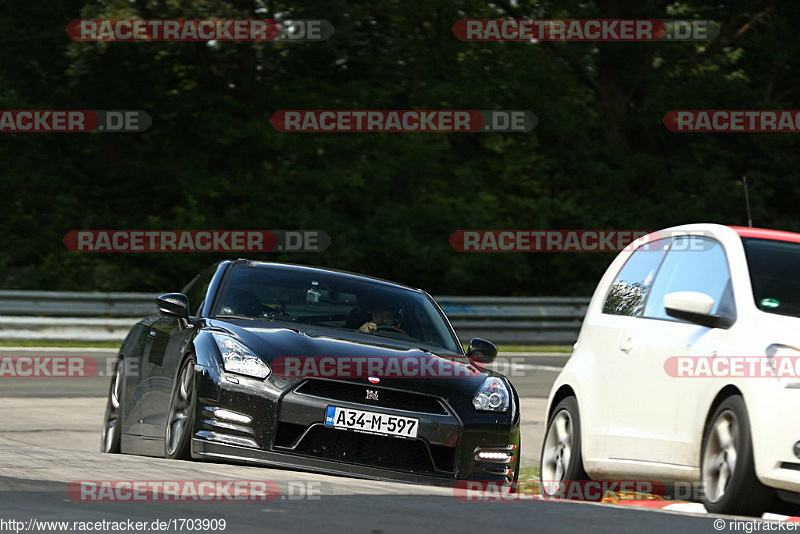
774,268
327,299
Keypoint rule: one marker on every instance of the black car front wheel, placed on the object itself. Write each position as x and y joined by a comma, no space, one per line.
112,429
515,480
180,418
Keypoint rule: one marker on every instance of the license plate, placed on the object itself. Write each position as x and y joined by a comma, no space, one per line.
373,422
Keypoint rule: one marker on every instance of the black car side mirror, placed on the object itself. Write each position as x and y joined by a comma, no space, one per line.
174,305
481,350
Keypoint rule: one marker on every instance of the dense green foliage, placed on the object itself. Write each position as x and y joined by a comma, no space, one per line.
600,157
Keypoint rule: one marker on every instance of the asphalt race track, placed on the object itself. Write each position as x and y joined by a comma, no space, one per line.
50,437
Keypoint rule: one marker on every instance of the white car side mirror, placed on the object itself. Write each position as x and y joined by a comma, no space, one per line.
694,307
689,301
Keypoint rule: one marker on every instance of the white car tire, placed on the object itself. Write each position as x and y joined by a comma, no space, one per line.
727,469
561,459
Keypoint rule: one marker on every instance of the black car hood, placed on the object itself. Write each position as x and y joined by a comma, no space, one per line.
271,340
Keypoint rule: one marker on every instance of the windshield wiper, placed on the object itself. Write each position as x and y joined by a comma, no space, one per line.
274,315
235,316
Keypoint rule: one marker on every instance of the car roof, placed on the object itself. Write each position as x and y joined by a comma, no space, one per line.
764,233
323,270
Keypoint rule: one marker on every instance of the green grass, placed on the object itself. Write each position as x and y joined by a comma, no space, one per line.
527,473
529,480
58,343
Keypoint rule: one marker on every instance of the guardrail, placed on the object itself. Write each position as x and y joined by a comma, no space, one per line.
77,316
517,320
77,304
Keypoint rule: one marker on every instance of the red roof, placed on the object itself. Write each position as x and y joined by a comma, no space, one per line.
763,233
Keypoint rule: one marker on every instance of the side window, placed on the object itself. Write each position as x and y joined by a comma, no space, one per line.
196,290
629,291
693,263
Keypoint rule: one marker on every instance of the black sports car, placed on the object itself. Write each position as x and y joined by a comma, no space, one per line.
207,378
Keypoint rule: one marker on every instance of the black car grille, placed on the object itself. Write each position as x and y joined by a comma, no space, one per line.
387,398
372,450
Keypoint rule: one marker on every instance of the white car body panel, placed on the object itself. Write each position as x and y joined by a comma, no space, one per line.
639,423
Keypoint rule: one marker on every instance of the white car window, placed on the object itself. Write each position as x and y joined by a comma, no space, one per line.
773,271
692,264
629,292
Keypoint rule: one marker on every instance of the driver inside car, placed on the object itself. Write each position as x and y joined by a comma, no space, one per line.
380,318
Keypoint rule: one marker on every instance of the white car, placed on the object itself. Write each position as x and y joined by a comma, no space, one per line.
675,376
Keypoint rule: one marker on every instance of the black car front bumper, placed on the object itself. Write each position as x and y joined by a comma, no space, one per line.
286,429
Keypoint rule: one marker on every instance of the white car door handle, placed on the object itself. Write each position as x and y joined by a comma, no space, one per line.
626,344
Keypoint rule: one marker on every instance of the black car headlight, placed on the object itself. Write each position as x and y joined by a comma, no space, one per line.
492,396
236,358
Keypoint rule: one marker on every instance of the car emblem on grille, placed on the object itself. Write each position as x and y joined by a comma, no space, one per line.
372,395
375,380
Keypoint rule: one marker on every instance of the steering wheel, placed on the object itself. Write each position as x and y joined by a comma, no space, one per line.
391,328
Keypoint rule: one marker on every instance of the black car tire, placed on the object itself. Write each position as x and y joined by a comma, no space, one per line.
111,437
515,480
179,426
